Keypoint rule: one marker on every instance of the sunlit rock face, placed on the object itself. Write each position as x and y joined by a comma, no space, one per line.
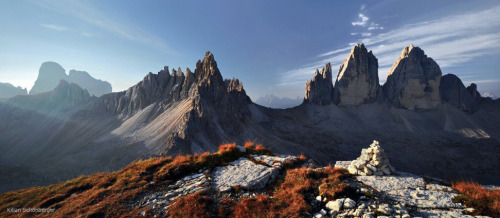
413,81
319,90
357,80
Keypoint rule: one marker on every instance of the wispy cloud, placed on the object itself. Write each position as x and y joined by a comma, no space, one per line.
451,41
54,27
375,26
90,14
362,20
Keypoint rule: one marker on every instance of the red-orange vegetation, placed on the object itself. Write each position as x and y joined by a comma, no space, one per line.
226,147
194,205
110,194
249,145
225,208
289,199
302,157
484,201
259,206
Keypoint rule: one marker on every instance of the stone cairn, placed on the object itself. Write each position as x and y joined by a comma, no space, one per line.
372,161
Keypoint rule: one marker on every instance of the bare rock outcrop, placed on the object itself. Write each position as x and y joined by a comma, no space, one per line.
413,81
453,92
357,80
319,90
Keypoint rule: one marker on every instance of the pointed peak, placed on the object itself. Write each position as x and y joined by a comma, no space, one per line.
359,45
409,50
359,48
326,72
188,71
209,57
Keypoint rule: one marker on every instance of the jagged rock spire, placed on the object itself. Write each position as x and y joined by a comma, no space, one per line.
319,90
413,81
357,80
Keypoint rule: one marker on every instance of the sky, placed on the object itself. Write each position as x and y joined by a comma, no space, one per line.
273,47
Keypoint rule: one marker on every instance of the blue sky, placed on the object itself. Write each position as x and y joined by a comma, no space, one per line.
273,47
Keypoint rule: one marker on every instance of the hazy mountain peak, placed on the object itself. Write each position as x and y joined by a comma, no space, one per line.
8,90
51,73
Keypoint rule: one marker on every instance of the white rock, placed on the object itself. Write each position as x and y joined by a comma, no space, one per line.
368,215
319,198
334,205
244,173
349,203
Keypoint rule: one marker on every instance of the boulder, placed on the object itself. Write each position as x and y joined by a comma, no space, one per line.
357,79
319,90
335,205
413,81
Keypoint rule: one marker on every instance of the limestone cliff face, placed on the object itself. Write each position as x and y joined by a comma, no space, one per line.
453,92
413,81
319,90
357,80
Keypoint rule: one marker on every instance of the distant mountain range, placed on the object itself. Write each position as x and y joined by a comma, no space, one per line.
51,73
429,124
273,101
7,90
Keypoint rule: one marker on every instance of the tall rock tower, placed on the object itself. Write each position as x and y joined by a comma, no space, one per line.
413,81
357,80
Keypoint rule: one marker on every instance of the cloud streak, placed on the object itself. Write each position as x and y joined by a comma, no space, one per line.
87,12
451,41
54,27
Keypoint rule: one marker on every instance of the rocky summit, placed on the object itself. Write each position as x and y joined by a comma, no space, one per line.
357,80
413,81
319,90
453,92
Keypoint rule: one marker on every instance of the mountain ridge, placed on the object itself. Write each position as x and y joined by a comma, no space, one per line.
184,112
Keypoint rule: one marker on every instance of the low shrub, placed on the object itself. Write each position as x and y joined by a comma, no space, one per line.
194,205
484,201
